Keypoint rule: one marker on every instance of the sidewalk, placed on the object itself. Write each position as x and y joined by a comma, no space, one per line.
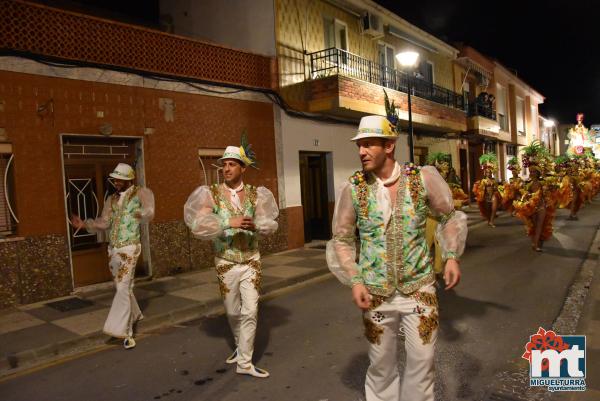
37,334
589,325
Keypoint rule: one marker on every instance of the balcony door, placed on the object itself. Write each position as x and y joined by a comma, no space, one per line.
336,36
387,64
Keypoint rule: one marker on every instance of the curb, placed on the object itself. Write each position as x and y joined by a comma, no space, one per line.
38,358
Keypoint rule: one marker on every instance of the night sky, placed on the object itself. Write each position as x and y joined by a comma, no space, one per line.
553,45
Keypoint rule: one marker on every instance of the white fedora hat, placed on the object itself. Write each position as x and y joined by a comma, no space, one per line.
237,153
123,172
375,127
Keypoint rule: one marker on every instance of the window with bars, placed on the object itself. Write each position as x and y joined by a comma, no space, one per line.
8,217
210,170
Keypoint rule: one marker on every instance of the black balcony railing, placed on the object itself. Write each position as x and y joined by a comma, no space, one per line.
482,110
334,61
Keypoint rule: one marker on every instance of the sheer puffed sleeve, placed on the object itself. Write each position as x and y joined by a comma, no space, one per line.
341,249
451,231
199,217
147,199
101,223
266,212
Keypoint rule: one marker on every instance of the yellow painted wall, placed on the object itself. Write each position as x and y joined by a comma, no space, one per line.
299,30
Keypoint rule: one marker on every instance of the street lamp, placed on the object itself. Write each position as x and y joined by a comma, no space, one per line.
408,60
548,124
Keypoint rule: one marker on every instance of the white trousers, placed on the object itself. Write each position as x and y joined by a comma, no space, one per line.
417,315
124,311
240,286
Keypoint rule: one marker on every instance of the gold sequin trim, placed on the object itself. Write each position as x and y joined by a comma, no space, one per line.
122,272
373,331
348,239
415,187
362,191
394,238
427,326
257,280
425,298
376,301
221,270
126,262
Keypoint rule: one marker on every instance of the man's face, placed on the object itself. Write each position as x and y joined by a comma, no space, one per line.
487,173
121,185
373,151
232,170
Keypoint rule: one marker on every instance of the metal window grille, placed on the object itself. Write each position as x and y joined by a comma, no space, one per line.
8,217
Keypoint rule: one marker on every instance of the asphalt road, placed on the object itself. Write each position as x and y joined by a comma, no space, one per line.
311,339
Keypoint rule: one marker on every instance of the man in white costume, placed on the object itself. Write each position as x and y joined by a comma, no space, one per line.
393,280
122,215
233,215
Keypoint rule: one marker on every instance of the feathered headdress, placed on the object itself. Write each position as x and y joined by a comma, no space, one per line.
437,158
535,156
391,113
488,161
513,164
562,162
247,153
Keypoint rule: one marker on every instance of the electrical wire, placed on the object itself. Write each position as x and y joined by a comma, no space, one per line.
272,95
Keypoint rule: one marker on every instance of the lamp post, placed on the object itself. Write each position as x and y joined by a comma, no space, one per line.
408,60
548,124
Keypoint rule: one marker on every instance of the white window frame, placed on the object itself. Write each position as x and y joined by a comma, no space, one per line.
209,153
518,100
386,46
432,70
336,22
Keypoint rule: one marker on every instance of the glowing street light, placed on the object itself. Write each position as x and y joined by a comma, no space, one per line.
408,60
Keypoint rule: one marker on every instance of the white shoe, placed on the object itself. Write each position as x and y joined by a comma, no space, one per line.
129,343
252,371
233,358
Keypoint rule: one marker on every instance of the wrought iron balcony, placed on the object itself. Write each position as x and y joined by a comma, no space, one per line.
482,110
335,61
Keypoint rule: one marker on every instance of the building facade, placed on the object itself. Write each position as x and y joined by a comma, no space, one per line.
74,106
335,58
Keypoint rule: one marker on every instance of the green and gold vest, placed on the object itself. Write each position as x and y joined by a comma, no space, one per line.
395,257
235,245
124,226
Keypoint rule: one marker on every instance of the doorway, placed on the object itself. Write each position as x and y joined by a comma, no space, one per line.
87,162
464,170
475,173
314,193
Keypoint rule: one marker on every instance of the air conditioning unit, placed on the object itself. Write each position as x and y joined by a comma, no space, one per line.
372,25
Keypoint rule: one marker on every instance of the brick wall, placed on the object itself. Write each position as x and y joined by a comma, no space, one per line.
171,162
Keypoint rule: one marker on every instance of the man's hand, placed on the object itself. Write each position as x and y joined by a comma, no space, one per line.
451,273
243,222
77,222
361,296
